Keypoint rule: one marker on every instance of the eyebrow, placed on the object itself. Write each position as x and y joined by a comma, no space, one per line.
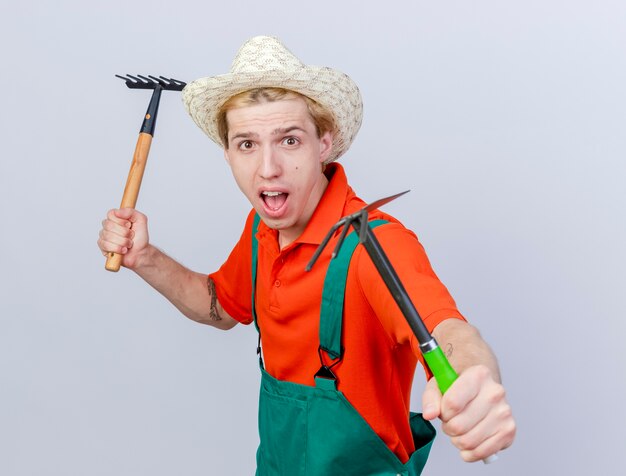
287,130
244,135
278,131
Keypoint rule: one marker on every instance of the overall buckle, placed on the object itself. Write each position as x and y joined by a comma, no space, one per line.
325,370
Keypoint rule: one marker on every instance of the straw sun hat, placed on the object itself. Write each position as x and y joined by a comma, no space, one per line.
264,61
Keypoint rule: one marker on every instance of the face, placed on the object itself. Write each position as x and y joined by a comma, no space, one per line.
276,158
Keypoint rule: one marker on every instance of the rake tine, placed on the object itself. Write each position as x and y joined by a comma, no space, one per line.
171,80
142,82
173,84
131,81
146,80
152,82
154,79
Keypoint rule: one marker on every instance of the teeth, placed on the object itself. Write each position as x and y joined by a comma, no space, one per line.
272,194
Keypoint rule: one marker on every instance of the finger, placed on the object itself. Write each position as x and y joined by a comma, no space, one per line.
106,248
118,228
111,242
465,389
500,440
490,399
131,215
475,411
498,421
467,431
431,400
119,217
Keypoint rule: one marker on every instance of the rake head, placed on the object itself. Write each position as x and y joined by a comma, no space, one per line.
152,82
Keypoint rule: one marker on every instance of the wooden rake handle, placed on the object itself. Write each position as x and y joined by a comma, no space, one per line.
131,191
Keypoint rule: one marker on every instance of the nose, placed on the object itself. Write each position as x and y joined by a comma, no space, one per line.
270,166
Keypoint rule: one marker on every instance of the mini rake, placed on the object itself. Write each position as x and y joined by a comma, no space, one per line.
140,157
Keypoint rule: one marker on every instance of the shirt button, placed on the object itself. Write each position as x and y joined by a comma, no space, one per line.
277,283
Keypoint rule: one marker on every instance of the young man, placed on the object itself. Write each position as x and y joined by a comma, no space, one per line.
282,125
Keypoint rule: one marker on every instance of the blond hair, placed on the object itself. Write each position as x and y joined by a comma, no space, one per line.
322,118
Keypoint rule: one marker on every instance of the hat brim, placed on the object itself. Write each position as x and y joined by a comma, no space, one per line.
332,89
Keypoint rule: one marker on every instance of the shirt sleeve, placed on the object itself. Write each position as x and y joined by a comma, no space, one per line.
430,297
233,281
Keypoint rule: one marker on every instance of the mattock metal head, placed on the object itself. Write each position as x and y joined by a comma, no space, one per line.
346,222
152,82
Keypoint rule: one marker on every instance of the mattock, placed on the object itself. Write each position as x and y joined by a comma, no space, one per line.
140,157
433,355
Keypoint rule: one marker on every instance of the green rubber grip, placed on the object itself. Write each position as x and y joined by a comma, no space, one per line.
441,369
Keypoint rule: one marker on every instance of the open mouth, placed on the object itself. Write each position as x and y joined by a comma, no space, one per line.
274,201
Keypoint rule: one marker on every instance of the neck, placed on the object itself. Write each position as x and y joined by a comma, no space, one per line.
285,239
287,236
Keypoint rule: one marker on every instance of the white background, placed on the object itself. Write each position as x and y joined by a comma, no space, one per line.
506,119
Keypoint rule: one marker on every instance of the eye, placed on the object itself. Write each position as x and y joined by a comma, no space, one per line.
291,141
245,145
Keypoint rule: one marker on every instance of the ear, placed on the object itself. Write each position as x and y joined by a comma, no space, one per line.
326,146
226,157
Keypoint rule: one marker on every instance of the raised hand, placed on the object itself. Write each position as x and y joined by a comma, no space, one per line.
124,231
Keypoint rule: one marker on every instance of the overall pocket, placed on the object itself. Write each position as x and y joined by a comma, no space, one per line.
283,435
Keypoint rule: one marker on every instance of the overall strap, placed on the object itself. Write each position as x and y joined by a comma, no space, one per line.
255,259
331,313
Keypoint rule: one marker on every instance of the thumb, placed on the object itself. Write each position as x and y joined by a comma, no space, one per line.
130,214
431,400
125,213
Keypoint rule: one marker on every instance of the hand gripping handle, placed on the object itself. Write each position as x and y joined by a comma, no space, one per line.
445,376
131,191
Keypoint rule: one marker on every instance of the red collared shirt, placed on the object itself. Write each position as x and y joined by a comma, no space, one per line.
381,351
